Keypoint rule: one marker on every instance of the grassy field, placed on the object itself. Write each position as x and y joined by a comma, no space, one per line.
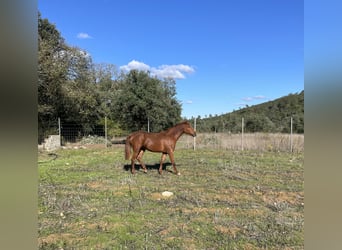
223,199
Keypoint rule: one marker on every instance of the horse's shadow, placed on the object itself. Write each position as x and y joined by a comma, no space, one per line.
138,167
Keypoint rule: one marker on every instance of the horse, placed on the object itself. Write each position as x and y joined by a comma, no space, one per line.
163,142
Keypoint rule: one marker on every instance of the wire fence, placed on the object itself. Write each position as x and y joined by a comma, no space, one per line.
275,142
70,133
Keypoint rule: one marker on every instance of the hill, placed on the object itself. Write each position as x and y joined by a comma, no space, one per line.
272,116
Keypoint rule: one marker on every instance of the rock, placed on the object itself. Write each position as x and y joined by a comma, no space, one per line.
167,194
53,142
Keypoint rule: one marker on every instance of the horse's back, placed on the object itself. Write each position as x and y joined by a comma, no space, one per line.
136,137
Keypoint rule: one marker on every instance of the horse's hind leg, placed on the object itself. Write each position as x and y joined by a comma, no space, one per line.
132,165
134,157
139,158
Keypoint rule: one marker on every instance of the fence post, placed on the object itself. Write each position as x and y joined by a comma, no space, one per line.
148,124
59,131
106,131
242,128
195,136
291,140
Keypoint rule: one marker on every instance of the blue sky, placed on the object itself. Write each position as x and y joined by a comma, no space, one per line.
223,54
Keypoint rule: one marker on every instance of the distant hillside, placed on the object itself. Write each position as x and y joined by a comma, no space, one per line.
272,116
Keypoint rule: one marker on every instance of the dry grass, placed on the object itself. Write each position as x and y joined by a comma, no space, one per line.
255,141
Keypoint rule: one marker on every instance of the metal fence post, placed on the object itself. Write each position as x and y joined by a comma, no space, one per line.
195,136
59,131
148,124
242,128
106,132
291,140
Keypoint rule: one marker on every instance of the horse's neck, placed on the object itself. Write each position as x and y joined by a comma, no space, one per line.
176,133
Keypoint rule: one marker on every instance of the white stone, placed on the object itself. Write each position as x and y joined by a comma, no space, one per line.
167,194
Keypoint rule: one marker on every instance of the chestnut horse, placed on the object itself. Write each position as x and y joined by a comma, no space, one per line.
164,142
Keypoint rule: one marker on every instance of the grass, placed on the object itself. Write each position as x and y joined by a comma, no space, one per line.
223,199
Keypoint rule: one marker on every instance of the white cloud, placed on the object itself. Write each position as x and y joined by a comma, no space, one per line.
83,36
240,104
247,99
135,65
173,71
259,97
164,71
188,102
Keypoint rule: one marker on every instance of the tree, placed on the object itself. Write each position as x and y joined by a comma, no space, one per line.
66,83
256,123
142,99
52,72
107,79
81,102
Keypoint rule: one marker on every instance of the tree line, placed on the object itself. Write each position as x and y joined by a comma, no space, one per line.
273,116
81,93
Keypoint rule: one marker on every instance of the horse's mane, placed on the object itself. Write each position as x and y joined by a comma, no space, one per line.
177,126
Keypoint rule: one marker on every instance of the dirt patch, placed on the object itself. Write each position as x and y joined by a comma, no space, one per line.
100,226
56,238
95,185
231,231
293,198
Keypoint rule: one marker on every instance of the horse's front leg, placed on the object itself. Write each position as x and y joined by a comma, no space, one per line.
172,159
163,157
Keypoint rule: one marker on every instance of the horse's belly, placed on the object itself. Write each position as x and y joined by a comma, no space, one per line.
156,146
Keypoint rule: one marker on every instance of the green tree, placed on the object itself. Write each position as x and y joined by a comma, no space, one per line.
52,73
257,123
81,102
142,98
66,83
107,83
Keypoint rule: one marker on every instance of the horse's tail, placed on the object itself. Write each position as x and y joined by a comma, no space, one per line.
127,148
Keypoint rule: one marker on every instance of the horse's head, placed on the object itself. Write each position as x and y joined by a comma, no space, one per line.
188,129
